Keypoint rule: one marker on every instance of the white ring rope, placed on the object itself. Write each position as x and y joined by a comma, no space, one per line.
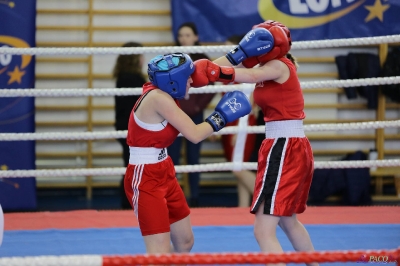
224,131
80,92
241,136
71,260
211,167
215,89
192,49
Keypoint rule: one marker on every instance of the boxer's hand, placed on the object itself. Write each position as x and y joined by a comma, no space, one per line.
256,42
232,106
207,71
280,49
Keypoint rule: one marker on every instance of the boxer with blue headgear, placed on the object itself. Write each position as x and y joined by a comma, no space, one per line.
150,181
170,73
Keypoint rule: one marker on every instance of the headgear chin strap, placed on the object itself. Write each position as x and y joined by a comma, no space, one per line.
171,76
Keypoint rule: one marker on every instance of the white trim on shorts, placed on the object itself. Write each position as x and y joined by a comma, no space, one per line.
136,179
271,211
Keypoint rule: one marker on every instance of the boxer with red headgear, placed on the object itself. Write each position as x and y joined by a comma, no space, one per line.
282,43
285,158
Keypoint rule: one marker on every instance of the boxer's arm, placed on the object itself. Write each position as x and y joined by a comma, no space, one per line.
166,108
272,70
223,61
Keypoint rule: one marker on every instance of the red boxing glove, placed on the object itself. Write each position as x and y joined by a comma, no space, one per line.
206,71
282,43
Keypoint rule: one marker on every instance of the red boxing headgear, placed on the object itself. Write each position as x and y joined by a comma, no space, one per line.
272,23
282,43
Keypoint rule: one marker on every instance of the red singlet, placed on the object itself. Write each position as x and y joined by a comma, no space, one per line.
281,101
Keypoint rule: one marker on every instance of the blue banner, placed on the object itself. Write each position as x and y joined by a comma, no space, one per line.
307,19
18,29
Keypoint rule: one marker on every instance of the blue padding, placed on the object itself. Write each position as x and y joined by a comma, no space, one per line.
211,239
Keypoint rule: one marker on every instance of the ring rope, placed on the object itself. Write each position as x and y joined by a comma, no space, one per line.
253,258
227,130
79,92
362,256
210,167
231,130
191,49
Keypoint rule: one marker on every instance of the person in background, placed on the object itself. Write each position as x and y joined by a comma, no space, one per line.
156,120
285,159
193,105
127,73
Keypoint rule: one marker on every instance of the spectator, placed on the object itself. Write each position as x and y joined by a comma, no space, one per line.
127,73
245,178
193,106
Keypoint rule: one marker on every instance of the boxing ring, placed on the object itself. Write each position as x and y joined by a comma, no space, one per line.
222,235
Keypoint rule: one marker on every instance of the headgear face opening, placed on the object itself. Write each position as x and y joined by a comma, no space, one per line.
167,73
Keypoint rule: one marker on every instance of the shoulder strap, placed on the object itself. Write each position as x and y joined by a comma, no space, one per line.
140,100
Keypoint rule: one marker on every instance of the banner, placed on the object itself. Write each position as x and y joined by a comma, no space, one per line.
17,115
307,19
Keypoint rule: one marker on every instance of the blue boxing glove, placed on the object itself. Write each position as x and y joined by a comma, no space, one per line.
256,42
232,106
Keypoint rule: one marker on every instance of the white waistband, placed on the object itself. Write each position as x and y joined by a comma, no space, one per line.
284,129
147,155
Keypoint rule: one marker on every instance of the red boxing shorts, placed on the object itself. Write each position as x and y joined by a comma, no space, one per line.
284,175
155,196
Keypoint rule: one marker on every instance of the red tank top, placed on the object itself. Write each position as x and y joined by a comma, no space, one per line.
281,101
141,137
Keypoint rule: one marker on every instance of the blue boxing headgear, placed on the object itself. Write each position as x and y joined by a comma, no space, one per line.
167,73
